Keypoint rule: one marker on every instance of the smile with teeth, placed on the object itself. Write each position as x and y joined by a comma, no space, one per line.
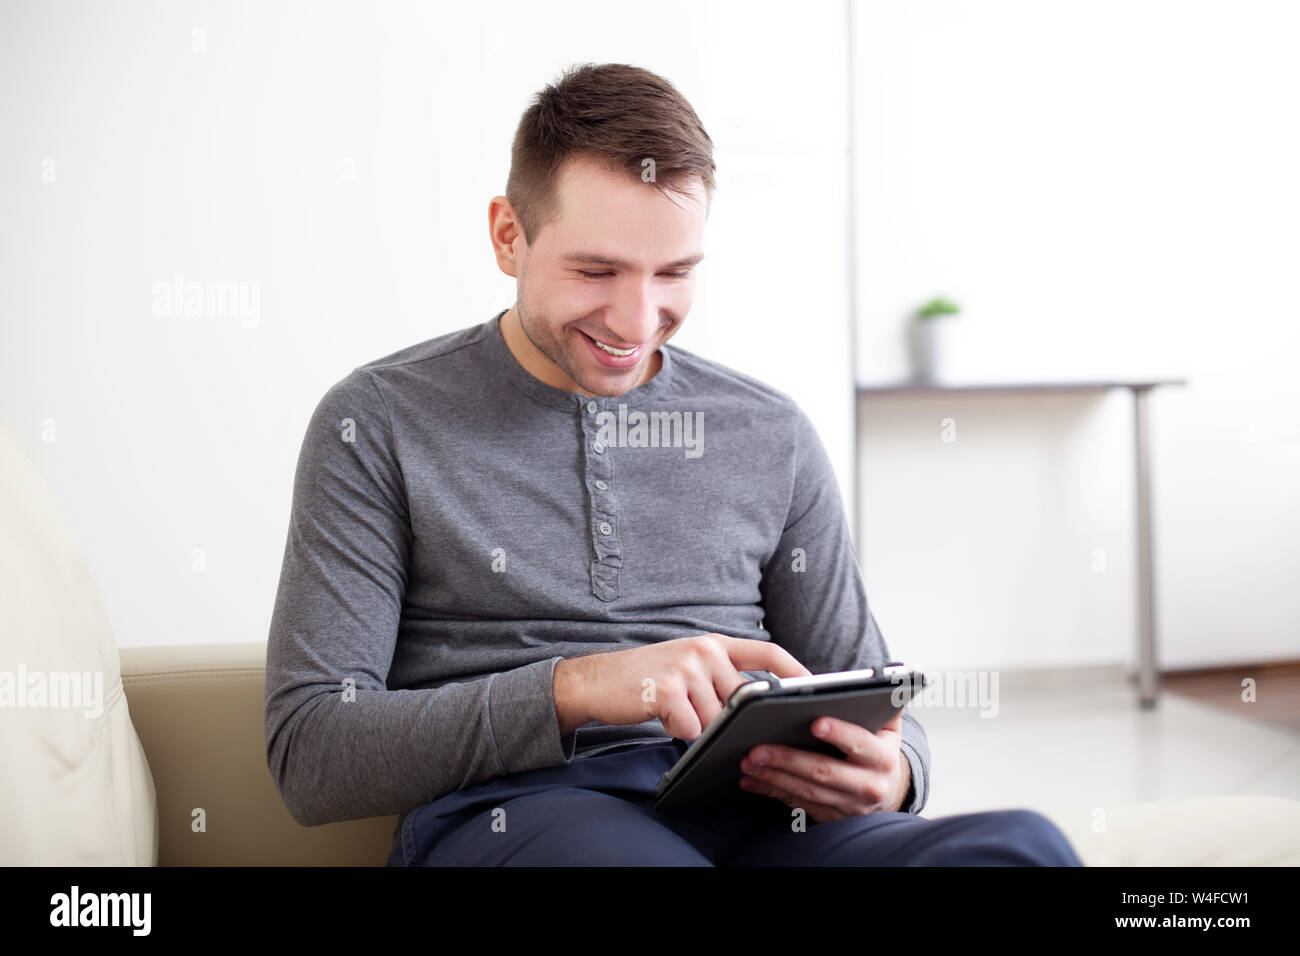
611,350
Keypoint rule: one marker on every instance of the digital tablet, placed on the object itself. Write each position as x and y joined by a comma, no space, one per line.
776,710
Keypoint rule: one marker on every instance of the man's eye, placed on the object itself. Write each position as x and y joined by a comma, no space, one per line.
598,275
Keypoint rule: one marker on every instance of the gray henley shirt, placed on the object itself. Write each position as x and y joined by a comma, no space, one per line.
458,527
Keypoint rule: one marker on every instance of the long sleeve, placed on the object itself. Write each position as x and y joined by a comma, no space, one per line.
340,744
814,601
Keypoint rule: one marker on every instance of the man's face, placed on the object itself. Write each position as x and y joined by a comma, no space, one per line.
616,266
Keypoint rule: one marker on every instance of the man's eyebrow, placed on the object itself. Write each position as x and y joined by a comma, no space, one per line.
595,259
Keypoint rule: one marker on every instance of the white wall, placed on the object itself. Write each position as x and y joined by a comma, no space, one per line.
1109,188
341,157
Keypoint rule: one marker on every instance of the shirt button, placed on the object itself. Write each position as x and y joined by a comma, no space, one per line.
605,527
591,407
601,485
598,447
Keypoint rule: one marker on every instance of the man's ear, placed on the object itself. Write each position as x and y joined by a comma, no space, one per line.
507,236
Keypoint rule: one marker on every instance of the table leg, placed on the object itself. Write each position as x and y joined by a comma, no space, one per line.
1148,686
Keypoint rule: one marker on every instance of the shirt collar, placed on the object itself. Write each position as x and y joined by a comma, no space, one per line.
505,363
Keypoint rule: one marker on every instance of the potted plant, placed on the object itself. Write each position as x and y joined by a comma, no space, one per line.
933,339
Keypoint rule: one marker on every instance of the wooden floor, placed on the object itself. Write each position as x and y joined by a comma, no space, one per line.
1277,691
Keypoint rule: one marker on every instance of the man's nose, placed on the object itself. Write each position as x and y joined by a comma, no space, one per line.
635,318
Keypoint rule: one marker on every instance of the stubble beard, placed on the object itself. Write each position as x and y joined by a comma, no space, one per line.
566,362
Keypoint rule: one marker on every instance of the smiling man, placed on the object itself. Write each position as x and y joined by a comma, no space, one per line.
588,320
503,620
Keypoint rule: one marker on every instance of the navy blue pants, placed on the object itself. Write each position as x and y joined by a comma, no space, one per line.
596,811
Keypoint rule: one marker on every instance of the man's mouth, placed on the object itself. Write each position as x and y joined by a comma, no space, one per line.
621,353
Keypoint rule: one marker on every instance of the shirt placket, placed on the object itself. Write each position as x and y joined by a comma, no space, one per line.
598,479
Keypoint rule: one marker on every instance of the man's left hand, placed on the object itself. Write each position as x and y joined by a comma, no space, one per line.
872,775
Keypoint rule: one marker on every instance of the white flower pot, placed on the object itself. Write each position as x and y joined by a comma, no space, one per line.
935,347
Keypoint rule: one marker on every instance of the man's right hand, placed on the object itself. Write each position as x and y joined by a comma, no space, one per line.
684,682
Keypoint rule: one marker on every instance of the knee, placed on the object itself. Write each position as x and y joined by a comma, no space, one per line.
1031,839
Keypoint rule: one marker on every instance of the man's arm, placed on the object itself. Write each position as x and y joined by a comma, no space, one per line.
340,744
815,604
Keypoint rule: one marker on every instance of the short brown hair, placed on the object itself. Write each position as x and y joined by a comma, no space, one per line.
619,115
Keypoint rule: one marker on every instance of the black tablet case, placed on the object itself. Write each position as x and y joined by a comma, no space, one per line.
713,779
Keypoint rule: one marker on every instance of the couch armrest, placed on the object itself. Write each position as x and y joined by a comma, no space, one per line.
199,711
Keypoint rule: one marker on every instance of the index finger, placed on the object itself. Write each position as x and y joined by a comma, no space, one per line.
750,654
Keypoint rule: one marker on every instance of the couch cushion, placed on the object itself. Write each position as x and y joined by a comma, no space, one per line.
200,710
1192,831
75,787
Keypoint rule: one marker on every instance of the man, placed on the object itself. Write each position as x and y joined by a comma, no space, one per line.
529,560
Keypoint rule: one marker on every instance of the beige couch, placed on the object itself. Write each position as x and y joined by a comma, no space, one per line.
198,711
180,737
172,730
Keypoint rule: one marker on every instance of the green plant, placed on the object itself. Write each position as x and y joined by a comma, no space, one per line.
937,307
